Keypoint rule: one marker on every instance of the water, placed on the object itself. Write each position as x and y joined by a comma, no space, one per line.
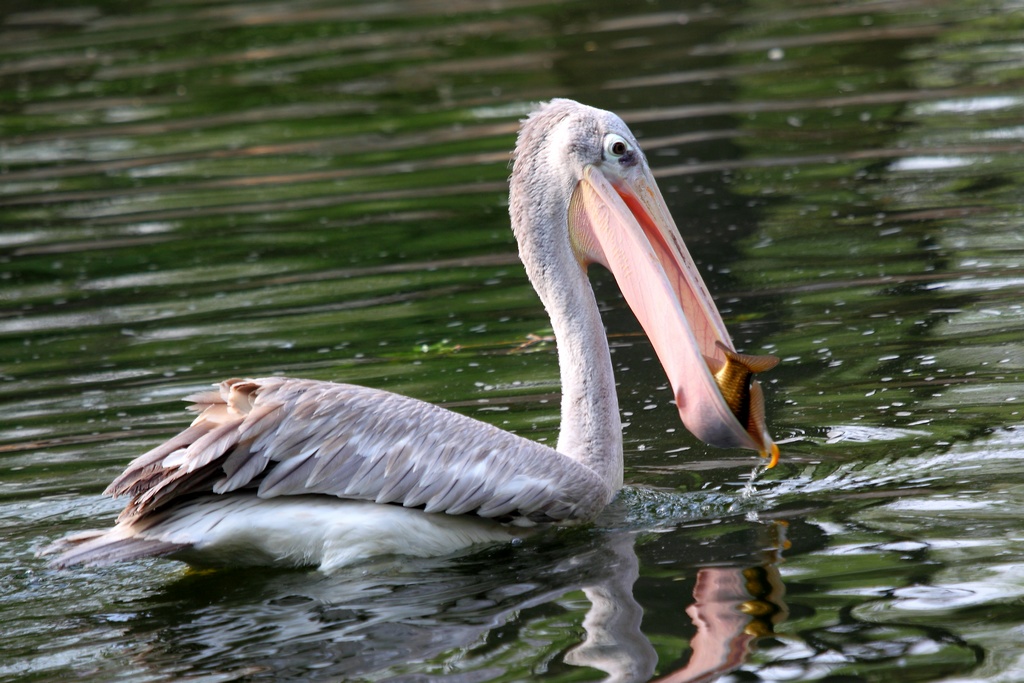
195,190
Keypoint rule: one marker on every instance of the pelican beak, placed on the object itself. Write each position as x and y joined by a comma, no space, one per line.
618,218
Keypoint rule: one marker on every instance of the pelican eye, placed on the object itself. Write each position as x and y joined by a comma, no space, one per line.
616,147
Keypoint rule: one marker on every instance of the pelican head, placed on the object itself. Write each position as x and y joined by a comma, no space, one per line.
583,193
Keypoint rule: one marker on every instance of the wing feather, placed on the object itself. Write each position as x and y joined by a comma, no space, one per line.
296,437
286,477
240,468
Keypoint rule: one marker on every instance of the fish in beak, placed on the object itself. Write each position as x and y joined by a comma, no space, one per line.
618,218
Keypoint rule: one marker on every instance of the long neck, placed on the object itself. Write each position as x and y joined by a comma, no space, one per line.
591,431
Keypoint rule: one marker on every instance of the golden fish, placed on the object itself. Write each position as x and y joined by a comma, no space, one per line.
734,382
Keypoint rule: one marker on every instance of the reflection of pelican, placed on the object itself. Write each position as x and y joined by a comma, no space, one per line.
732,607
581,193
414,618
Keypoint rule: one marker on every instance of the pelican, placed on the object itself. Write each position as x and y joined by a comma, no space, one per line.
299,472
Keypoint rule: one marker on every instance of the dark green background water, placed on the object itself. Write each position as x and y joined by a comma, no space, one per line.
194,190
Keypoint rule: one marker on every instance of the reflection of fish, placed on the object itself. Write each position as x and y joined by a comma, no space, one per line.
765,606
741,393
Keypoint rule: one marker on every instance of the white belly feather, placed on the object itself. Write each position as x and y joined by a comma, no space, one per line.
292,531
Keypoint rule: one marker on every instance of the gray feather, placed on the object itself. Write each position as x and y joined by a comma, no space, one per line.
285,435
98,548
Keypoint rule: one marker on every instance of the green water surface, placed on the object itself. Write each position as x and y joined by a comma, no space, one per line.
195,190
